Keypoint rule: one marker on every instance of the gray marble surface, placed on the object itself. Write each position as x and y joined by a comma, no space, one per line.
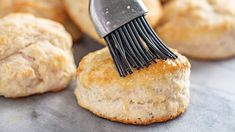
212,107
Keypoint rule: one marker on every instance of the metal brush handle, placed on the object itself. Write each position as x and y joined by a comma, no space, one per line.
109,15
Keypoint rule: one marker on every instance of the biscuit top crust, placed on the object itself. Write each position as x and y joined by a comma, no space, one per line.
98,70
18,31
198,17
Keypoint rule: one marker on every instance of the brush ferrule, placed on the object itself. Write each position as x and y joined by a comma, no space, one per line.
109,15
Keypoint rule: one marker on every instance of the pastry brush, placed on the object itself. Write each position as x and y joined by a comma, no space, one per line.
131,41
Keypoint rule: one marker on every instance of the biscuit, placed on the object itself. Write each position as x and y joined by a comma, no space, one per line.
35,56
78,10
51,9
201,29
154,94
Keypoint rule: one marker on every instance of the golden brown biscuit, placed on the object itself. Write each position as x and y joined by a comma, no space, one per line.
35,56
51,9
78,10
202,29
154,94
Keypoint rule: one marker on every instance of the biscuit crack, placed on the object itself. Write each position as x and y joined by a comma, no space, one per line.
16,52
34,67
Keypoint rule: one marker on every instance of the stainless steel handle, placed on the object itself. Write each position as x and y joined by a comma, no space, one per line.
108,15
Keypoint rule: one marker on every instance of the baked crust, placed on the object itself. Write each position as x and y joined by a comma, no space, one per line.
154,94
101,62
78,10
51,9
52,91
35,56
138,122
202,29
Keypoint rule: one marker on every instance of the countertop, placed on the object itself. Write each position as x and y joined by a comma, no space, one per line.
212,106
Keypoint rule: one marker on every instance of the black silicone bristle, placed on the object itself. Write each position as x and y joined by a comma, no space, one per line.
136,45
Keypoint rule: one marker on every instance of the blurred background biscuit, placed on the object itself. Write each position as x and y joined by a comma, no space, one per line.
51,9
201,29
